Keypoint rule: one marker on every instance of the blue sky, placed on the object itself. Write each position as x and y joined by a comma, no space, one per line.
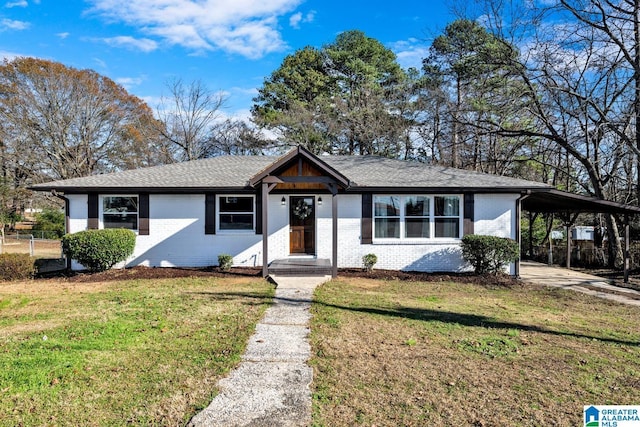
230,45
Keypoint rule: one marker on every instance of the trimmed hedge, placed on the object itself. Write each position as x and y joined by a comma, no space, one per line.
99,250
16,267
489,254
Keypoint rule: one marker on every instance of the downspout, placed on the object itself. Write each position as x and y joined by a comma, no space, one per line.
66,219
524,195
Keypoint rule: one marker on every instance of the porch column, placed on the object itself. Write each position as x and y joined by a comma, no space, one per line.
265,229
334,242
627,259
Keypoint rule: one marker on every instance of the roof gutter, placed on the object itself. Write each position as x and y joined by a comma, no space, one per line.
66,219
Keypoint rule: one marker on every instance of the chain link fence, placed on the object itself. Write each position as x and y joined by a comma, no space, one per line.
37,244
582,255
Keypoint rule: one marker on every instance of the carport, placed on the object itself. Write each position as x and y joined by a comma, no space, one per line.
568,206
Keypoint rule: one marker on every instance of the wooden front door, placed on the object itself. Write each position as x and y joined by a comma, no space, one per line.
302,225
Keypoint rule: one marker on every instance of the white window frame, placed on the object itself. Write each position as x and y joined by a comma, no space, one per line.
101,211
219,212
432,227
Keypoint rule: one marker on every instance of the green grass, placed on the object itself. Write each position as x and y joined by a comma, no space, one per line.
390,353
143,352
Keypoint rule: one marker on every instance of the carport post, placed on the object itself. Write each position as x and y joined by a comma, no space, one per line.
265,229
627,259
568,228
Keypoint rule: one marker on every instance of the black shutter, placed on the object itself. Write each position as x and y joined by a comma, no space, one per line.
258,212
210,213
467,227
143,214
92,211
366,235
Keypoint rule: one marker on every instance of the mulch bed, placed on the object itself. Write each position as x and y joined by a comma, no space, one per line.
153,273
171,272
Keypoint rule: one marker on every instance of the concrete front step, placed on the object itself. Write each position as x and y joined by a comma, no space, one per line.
300,267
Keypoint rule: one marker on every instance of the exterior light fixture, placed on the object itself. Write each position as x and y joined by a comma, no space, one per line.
319,201
283,201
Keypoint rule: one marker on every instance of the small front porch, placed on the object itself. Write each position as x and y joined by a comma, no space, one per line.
300,267
300,176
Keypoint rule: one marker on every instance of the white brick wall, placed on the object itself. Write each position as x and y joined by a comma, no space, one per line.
495,215
433,256
177,236
78,212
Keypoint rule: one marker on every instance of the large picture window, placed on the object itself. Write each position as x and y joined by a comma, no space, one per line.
235,213
120,212
416,217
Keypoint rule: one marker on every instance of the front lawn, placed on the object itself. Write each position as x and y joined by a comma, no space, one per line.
141,352
389,353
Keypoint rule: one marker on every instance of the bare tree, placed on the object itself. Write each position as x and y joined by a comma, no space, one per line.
236,137
580,91
190,117
60,122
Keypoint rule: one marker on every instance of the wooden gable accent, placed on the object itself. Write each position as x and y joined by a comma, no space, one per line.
302,167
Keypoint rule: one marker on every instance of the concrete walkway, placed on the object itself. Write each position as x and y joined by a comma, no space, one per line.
270,387
542,274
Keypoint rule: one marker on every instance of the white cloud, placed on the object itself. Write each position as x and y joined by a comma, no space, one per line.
9,56
100,62
244,90
245,27
10,24
129,82
63,35
410,52
17,3
144,45
297,18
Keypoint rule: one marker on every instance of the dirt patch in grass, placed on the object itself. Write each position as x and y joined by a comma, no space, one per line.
393,352
614,292
615,277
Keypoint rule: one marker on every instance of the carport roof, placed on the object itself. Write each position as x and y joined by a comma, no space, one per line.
552,200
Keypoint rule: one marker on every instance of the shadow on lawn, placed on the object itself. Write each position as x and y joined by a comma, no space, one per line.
464,319
473,320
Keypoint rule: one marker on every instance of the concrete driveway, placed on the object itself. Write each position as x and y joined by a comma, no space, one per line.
542,274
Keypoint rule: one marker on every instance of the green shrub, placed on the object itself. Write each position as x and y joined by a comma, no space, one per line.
489,254
16,267
225,261
369,260
99,250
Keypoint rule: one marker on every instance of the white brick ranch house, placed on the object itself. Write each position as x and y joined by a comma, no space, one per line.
297,206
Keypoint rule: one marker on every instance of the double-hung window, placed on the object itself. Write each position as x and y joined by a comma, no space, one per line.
236,213
120,212
414,217
446,216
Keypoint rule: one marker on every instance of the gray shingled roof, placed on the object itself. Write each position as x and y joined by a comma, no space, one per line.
373,171
235,172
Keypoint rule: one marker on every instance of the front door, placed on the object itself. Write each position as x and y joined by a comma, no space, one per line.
302,225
